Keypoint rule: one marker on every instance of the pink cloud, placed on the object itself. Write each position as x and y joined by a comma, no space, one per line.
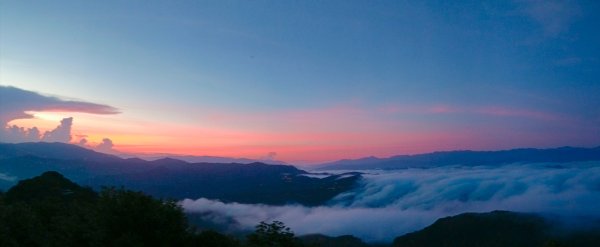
443,109
482,110
509,112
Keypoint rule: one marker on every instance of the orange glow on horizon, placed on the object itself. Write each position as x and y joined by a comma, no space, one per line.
305,136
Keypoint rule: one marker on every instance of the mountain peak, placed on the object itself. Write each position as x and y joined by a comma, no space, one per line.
49,185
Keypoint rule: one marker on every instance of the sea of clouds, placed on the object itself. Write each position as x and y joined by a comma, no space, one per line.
388,204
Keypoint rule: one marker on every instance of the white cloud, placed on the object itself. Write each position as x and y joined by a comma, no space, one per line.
62,133
389,204
106,146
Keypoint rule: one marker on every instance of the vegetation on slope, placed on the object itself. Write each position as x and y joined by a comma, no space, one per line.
50,210
498,228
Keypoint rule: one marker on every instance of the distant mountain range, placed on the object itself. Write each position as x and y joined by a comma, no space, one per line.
172,178
202,158
468,158
234,182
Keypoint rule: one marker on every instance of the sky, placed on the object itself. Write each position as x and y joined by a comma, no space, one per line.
301,81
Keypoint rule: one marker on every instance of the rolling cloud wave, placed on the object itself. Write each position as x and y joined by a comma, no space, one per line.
389,204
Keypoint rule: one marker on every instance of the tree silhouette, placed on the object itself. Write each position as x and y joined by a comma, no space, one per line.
210,238
50,210
130,218
275,234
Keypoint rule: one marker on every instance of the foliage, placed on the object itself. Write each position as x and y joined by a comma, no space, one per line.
211,238
49,210
129,218
500,228
274,234
313,240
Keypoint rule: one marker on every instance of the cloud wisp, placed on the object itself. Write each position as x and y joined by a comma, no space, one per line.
389,204
554,16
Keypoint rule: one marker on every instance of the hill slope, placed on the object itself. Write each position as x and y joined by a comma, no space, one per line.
498,229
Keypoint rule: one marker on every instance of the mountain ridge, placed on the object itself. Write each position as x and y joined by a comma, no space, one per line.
468,158
172,178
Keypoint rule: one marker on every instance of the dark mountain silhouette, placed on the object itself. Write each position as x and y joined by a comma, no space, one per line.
50,210
499,228
172,178
50,185
469,158
245,183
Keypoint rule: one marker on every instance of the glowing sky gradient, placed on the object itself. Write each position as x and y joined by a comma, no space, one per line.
311,81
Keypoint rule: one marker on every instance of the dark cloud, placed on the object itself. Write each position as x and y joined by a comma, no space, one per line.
15,102
389,204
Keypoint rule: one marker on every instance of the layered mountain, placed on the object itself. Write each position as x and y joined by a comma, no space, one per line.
25,160
468,158
171,178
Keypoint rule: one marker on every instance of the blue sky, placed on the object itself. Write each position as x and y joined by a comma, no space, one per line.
180,61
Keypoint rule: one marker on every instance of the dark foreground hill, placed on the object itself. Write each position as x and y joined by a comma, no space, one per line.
499,229
49,210
469,158
170,178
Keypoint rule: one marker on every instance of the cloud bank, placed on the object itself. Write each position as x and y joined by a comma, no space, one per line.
389,204
15,103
